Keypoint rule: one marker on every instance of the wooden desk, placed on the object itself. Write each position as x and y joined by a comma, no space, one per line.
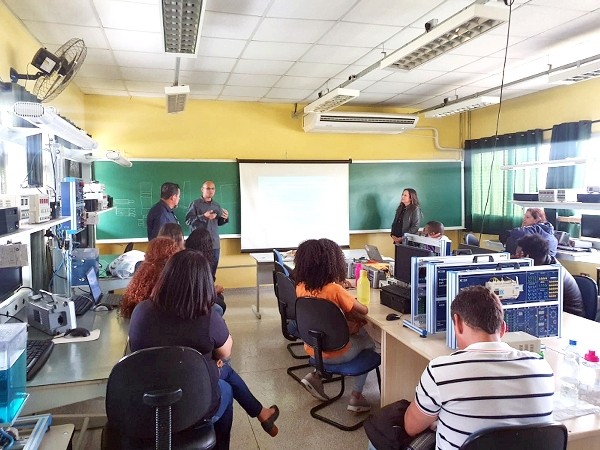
404,356
78,371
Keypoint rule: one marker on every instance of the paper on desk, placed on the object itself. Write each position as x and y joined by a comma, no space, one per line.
563,412
94,334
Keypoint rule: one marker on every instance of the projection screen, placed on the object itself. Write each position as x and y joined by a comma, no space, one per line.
283,204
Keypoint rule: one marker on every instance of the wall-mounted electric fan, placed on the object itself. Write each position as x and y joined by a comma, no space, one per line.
56,70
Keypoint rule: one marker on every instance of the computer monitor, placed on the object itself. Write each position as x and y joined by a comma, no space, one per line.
475,250
11,279
403,256
590,226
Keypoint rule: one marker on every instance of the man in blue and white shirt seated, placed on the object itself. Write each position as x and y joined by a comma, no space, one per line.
486,383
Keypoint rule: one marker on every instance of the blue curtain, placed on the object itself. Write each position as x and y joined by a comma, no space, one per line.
483,159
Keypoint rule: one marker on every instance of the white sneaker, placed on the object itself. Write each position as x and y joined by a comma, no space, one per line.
313,384
359,405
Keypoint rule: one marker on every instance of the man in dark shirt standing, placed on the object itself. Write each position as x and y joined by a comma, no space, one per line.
162,212
208,214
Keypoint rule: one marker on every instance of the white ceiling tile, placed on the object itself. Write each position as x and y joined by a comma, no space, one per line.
289,94
137,41
315,70
125,15
262,67
245,91
57,11
429,89
370,98
95,71
205,89
372,57
107,92
530,20
157,75
252,80
94,82
99,56
403,37
275,50
146,86
385,12
309,9
253,8
389,88
213,64
358,35
229,26
414,76
191,78
485,65
56,35
225,48
581,5
300,82
448,62
234,98
146,60
291,30
334,54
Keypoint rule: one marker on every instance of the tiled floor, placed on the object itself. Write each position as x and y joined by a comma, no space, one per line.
261,358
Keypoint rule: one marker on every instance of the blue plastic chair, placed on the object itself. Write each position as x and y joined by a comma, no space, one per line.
323,326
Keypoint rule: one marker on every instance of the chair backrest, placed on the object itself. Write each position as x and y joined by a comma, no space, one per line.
277,256
548,436
280,268
322,325
287,296
471,239
155,369
589,294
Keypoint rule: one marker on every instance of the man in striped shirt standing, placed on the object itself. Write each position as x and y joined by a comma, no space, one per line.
486,383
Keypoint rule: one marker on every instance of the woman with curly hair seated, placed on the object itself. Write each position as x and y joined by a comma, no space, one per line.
160,249
320,270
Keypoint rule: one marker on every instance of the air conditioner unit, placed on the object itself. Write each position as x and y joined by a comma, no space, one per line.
358,122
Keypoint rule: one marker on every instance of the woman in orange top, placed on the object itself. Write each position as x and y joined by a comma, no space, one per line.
320,267
160,249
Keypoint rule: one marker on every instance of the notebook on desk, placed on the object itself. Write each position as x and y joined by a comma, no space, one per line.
374,255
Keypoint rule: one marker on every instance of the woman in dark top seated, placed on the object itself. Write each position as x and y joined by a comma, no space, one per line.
534,222
179,312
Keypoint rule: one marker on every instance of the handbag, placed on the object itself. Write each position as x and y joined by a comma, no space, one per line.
385,430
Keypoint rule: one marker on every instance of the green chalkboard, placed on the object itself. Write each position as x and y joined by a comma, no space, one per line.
135,189
376,188
375,191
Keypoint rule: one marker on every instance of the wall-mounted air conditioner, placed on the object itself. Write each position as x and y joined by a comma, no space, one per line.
358,122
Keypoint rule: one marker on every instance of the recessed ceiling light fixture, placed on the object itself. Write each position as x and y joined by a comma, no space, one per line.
580,73
331,100
182,22
462,106
471,22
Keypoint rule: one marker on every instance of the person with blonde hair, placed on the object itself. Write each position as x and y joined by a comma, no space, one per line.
173,231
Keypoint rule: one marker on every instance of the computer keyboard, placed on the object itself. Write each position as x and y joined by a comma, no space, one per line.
82,304
112,299
38,352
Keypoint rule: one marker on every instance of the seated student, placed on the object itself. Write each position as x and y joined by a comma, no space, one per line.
435,230
484,384
320,267
179,312
160,249
536,247
200,240
534,222
173,231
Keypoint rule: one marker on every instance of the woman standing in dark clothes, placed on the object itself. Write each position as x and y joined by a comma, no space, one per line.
408,216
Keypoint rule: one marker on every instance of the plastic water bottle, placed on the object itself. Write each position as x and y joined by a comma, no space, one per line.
589,378
569,378
357,269
363,288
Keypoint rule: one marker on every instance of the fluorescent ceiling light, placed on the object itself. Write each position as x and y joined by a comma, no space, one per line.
47,119
331,100
182,21
115,156
463,106
176,98
580,73
467,24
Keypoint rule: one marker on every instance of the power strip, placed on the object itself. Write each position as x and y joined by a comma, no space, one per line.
12,305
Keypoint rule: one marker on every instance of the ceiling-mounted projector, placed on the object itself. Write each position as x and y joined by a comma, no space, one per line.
176,98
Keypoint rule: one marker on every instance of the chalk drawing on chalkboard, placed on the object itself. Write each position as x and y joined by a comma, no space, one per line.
124,208
145,197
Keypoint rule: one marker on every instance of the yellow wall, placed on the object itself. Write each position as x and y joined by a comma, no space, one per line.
17,48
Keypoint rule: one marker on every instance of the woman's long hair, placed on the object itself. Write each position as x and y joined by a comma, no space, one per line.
160,249
173,231
185,287
200,240
319,262
414,199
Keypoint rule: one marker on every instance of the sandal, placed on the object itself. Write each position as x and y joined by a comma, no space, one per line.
269,424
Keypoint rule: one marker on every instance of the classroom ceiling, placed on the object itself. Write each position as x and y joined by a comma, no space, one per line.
287,51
